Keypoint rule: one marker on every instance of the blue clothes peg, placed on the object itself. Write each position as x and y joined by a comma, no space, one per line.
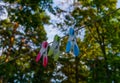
72,44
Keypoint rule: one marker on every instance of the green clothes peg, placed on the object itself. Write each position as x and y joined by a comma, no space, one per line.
54,49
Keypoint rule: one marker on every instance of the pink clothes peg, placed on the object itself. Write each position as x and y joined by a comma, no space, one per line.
43,52
38,57
45,61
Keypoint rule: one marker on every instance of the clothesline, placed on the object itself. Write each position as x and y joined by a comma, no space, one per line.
88,23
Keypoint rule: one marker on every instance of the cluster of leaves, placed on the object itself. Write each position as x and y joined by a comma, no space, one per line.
100,48
23,31
21,34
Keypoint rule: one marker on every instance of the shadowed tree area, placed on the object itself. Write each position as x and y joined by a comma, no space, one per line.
22,33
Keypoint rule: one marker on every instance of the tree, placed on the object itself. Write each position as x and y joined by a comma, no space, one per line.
100,47
99,57
21,35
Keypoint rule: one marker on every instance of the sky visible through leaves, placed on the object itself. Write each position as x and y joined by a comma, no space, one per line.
52,29
63,4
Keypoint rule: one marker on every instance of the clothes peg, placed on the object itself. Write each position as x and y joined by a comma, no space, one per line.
43,52
45,60
54,49
72,44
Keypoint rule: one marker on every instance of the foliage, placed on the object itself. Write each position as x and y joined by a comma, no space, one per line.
23,31
100,46
21,35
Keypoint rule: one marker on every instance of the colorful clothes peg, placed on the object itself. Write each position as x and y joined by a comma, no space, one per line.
45,60
72,44
43,52
54,49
